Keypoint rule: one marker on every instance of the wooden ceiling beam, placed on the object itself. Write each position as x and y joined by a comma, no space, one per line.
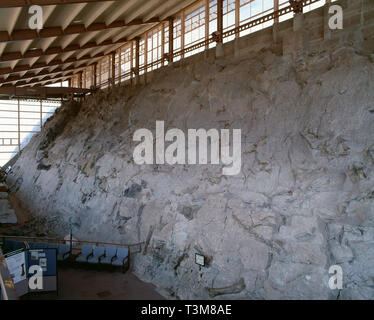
47,76
162,8
53,63
40,74
27,3
28,34
143,8
42,65
28,75
177,8
56,50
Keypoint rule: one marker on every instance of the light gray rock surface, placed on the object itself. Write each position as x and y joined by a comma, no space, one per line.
7,214
304,199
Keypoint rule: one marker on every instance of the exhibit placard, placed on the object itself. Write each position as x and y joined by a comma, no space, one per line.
16,263
19,264
46,259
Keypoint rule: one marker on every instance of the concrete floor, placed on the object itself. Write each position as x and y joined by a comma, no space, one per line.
80,284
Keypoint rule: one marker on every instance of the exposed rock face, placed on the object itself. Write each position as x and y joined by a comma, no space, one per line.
304,199
7,214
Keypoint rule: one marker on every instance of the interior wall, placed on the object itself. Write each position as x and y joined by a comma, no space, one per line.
303,200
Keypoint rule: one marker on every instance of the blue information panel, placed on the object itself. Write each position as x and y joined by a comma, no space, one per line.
19,262
45,258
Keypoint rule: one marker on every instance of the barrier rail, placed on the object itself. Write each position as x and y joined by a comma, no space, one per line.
71,241
205,43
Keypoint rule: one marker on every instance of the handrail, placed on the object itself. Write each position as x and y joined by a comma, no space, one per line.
129,246
206,42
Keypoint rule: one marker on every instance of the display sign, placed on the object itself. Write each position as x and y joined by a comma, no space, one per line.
46,259
16,263
199,259
19,264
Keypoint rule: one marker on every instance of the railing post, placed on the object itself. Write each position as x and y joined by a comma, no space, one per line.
94,75
162,44
136,69
145,54
220,20
132,58
237,16
276,22
113,68
219,36
100,71
83,78
276,8
182,33
137,54
41,114
171,39
237,33
19,126
80,79
207,17
119,75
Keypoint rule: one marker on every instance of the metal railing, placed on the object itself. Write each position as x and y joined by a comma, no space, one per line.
205,43
133,248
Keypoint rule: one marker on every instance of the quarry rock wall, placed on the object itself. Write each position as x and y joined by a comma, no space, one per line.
303,200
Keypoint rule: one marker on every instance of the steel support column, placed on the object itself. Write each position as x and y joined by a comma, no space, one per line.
113,68
162,44
207,22
276,8
237,16
41,114
218,36
171,39
119,65
182,32
100,63
220,20
19,125
132,57
94,71
137,56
